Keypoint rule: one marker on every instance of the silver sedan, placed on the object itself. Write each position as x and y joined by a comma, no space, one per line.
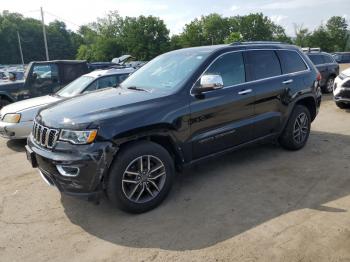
16,120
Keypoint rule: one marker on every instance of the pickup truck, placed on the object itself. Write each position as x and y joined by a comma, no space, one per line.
42,78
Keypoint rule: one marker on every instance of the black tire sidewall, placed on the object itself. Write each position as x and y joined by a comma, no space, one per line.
123,159
287,139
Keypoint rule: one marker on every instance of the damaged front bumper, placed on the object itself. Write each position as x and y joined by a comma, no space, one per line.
74,170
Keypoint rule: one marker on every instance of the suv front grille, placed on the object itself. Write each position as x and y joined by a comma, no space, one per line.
44,136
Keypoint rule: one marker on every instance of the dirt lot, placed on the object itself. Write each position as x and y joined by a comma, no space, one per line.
258,204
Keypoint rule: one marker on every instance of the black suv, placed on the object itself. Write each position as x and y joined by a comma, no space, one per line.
182,107
327,66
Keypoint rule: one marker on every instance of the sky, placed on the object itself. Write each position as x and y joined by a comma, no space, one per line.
177,13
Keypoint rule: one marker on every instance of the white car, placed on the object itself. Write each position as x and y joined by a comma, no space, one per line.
16,120
341,89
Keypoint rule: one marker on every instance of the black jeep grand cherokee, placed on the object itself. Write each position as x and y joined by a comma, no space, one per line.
182,107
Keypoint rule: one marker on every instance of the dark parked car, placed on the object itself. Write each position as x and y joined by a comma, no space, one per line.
42,78
327,66
181,108
342,57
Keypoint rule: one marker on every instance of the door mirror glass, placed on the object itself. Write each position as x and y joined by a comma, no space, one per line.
209,83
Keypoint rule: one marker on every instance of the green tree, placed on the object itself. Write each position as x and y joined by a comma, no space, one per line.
337,28
302,34
144,37
233,37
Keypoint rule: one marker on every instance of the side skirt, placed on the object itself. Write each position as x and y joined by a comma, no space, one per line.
269,137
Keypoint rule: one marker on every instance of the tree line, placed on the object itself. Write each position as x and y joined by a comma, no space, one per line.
145,37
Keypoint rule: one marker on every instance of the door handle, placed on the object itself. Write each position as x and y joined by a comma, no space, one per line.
244,92
287,82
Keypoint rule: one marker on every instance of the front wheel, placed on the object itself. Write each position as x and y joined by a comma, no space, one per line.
141,177
297,131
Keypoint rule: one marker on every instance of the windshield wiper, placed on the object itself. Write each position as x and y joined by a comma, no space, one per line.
136,88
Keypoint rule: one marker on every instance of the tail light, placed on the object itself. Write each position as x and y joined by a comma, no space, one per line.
319,76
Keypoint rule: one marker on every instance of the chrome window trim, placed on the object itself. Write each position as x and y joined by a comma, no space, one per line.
258,80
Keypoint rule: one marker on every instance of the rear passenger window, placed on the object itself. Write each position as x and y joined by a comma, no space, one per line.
230,67
262,64
317,59
291,61
328,59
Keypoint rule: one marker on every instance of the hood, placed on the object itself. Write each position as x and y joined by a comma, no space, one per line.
89,108
346,72
29,103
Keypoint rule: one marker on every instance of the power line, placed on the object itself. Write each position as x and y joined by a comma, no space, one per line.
61,18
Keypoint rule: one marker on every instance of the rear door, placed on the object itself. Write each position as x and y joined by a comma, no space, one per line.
264,74
221,118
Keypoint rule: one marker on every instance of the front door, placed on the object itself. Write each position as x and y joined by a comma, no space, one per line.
220,119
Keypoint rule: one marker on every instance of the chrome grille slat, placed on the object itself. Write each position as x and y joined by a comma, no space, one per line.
44,136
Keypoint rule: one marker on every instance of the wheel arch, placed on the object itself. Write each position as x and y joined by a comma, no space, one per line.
310,103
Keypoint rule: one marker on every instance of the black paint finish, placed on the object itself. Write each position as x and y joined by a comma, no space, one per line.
192,127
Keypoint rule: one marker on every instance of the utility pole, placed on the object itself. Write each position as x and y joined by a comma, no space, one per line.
20,47
44,33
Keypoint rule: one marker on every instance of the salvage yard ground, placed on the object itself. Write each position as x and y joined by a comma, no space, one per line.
258,204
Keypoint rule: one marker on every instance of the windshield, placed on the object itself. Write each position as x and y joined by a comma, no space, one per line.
75,87
166,72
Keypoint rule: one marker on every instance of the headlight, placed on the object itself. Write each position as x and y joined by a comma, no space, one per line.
78,137
12,118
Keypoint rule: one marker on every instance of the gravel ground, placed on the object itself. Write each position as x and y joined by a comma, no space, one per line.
258,204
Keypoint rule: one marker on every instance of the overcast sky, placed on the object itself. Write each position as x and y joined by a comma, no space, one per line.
176,13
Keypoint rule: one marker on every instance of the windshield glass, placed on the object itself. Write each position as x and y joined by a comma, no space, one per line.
76,87
166,72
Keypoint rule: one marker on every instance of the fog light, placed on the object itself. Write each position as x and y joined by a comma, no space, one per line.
68,170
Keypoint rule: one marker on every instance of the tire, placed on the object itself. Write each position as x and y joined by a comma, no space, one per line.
328,88
342,105
291,138
3,102
127,168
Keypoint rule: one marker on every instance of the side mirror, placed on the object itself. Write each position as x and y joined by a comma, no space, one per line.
209,83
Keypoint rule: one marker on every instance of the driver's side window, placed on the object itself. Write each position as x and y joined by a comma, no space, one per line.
230,67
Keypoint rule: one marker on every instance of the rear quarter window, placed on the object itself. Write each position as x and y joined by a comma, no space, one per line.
291,61
328,59
262,64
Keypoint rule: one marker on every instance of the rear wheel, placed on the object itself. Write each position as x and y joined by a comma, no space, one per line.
140,177
3,102
328,88
297,131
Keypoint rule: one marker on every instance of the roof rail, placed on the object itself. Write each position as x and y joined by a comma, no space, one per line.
313,49
257,42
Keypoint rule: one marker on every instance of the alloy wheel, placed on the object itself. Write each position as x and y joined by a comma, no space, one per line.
143,179
330,84
301,128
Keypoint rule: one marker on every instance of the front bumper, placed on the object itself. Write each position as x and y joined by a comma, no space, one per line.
92,160
340,93
19,130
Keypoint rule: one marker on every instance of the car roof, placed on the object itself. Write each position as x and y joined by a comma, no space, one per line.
110,71
60,62
318,53
240,45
